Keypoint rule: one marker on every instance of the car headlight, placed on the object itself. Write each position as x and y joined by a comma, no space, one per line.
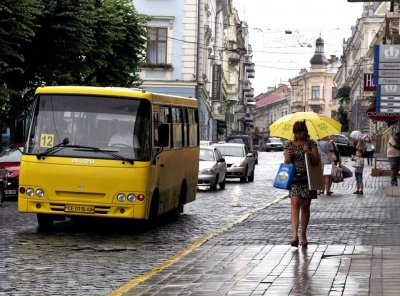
207,171
238,163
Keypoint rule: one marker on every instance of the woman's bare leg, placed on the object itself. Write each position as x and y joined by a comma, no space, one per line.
295,202
305,218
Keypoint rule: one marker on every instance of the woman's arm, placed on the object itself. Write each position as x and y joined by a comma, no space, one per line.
286,155
328,153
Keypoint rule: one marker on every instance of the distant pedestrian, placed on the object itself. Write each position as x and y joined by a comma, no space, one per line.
358,171
393,154
361,146
324,150
369,152
300,195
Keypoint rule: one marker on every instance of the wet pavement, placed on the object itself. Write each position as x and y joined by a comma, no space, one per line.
354,249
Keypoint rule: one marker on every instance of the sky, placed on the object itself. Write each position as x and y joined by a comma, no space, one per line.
279,56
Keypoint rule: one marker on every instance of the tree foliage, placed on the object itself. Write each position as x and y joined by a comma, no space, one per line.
76,42
343,94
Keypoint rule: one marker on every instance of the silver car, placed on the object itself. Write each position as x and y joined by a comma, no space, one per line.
212,168
239,160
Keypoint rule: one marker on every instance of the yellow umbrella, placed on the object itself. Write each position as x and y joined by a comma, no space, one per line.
319,126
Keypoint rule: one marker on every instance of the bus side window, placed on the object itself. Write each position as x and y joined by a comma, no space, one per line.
193,128
166,118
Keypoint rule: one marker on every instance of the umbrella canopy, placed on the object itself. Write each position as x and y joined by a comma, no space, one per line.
355,134
366,137
319,126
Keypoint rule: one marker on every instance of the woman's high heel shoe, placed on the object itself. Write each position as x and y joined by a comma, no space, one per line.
295,243
304,245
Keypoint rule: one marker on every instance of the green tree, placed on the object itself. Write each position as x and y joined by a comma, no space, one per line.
18,24
343,95
76,42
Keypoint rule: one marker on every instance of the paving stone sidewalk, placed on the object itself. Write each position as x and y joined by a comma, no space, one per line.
354,249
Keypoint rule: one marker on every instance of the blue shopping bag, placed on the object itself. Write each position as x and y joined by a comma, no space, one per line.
284,176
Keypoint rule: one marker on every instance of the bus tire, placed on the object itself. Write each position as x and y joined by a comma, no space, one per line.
45,221
154,206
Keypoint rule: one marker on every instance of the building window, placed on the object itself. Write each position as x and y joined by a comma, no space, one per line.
315,92
334,93
157,46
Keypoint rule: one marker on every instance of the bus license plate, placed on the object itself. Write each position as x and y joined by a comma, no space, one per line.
10,191
79,209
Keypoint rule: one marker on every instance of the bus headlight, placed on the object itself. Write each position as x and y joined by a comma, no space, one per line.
30,192
121,197
40,192
131,197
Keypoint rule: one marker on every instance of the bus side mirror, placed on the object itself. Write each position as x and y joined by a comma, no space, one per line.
163,135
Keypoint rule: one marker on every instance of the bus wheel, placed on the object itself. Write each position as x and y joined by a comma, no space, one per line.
45,221
154,206
2,195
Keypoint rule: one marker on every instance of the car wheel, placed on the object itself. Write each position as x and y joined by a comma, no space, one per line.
2,195
251,177
213,187
244,178
45,221
222,184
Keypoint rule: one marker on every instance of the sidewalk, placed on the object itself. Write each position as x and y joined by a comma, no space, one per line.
354,249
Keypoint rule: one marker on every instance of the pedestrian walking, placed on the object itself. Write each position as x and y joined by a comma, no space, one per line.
369,152
393,154
300,195
324,151
361,146
358,171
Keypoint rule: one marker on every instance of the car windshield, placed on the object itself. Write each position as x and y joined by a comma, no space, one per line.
11,155
231,151
206,155
274,140
90,126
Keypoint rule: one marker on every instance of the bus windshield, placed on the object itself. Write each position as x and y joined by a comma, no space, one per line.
90,126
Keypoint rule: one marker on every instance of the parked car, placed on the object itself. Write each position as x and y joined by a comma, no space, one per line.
10,159
212,168
3,183
247,141
345,146
274,144
239,160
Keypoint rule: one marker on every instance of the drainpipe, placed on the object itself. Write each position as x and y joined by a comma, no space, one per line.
198,51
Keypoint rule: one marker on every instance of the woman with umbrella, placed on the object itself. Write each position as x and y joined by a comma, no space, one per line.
300,195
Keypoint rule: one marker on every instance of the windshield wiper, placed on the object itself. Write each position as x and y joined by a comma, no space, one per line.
108,152
54,148
65,142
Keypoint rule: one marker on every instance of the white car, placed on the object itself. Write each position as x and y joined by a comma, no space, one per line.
212,168
240,161
275,144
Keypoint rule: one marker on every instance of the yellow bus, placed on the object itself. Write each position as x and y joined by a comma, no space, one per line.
108,152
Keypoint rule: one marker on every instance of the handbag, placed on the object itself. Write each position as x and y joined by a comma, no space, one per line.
284,176
347,173
300,177
328,170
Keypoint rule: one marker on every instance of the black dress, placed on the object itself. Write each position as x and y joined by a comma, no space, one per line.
301,189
